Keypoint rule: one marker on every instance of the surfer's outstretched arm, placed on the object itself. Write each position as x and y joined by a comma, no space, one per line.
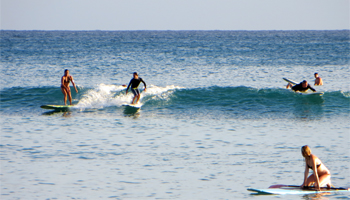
311,88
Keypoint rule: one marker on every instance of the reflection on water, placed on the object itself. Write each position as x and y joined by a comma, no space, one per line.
54,112
308,107
317,196
131,111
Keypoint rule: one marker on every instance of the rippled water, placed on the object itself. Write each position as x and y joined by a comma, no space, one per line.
215,119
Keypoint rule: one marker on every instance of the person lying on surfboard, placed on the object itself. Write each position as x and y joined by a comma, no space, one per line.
66,78
302,87
321,176
318,80
134,83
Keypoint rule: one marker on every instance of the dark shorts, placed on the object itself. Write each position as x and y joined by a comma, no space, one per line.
135,91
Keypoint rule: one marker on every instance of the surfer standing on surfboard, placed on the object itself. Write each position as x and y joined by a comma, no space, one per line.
66,78
318,80
135,82
302,87
321,176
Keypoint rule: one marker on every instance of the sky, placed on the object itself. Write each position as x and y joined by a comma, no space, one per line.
175,14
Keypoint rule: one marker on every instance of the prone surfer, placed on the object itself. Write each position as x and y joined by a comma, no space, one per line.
134,83
318,80
65,80
302,87
321,176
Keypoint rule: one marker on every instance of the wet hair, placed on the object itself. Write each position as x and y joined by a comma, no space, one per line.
135,73
315,73
304,81
305,151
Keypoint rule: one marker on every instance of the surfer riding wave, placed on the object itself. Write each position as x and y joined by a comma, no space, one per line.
65,80
134,83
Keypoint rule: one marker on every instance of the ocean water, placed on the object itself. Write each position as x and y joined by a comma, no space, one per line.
215,120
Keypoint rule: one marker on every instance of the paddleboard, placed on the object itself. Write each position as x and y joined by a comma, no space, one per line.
57,107
295,190
138,105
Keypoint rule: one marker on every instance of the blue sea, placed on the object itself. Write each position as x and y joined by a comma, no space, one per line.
216,117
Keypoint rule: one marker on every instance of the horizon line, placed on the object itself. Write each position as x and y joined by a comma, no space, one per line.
178,30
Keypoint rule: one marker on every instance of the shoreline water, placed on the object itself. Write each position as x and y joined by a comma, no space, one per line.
137,157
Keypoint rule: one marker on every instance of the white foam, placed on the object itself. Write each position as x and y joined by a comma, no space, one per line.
99,97
112,95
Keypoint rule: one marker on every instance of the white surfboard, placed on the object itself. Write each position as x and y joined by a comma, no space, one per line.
290,81
138,105
310,93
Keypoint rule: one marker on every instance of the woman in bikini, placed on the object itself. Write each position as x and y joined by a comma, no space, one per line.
321,176
65,86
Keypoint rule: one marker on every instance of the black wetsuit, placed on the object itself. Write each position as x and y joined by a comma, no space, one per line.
134,84
299,87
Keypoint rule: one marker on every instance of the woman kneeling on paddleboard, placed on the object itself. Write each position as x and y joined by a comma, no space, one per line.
321,176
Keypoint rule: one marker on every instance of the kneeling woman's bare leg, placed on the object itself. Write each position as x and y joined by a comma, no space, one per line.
324,180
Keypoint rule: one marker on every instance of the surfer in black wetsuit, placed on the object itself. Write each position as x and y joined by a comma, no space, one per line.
134,83
302,87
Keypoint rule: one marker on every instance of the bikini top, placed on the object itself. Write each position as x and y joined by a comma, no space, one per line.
68,79
317,166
